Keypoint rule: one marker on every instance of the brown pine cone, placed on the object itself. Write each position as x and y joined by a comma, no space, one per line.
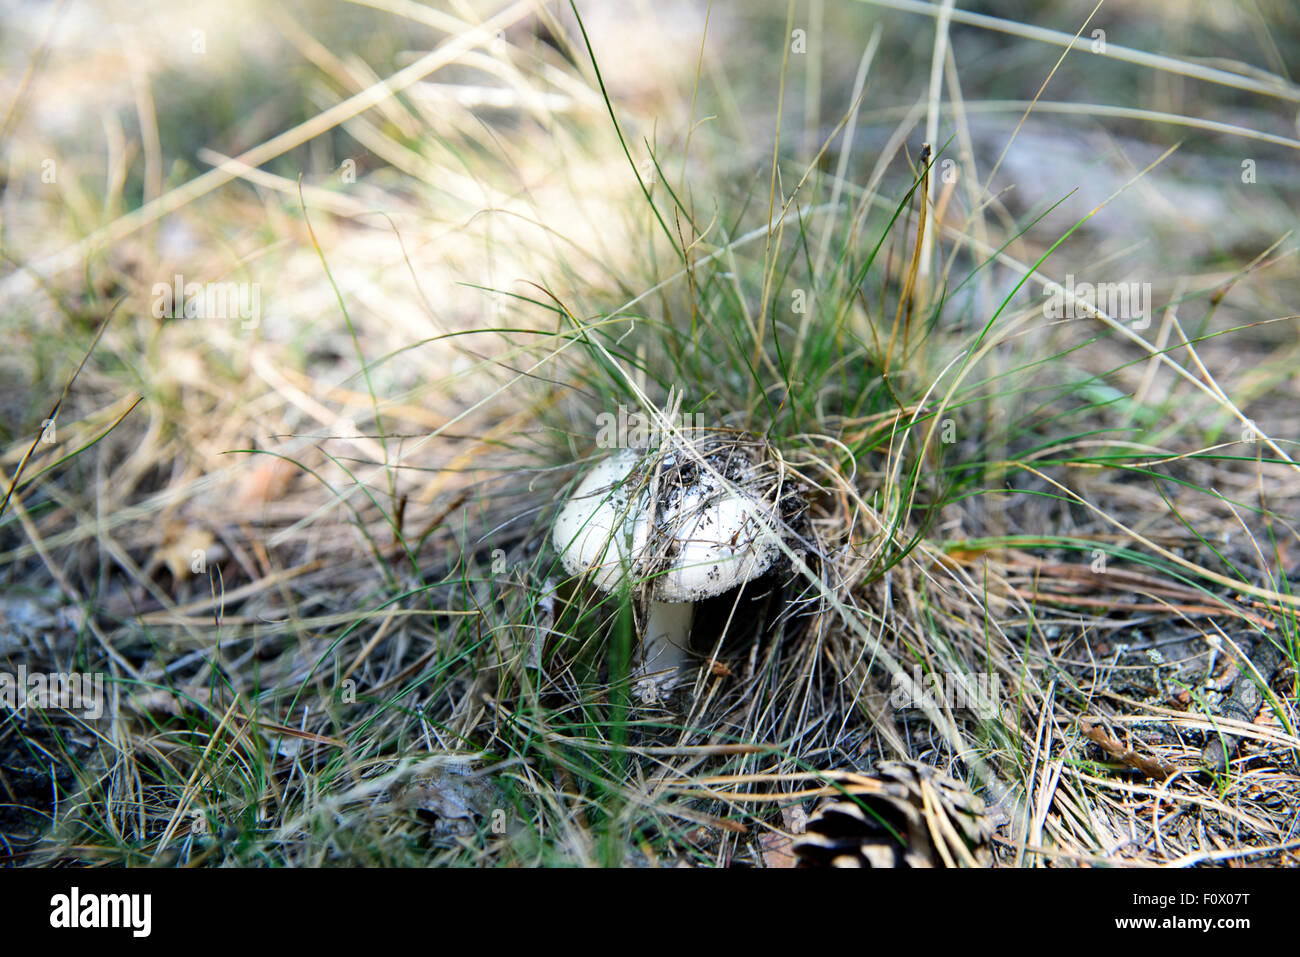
907,815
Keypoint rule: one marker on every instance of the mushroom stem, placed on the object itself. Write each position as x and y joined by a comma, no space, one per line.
663,647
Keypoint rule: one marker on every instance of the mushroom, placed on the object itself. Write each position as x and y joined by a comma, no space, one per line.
664,521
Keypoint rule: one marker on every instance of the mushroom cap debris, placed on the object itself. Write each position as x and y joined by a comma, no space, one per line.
703,536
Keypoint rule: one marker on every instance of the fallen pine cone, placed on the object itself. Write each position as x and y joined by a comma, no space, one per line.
911,816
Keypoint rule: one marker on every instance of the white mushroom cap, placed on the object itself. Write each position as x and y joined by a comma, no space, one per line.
717,543
600,530
709,538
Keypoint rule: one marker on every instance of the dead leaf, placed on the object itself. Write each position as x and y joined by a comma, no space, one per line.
454,794
1152,768
181,546
777,849
795,819
265,482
